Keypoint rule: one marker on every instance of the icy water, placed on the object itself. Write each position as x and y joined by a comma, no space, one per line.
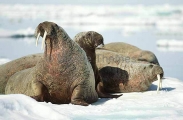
157,28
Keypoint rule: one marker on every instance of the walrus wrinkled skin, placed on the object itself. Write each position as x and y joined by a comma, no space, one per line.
62,76
122,74
10,68
132,52
89,41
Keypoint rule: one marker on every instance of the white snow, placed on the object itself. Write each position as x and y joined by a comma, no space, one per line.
101,16
4,60
170,45
164,42
167,104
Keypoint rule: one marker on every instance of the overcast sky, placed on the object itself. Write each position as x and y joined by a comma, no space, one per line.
114,2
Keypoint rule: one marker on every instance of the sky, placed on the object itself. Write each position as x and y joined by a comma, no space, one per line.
110,2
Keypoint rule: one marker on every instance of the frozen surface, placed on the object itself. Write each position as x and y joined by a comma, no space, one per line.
170,45
167,104
4,60
166,18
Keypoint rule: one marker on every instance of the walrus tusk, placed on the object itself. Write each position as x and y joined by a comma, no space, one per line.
37,38
159,82
43,41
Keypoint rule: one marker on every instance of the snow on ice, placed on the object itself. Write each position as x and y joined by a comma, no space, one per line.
167,104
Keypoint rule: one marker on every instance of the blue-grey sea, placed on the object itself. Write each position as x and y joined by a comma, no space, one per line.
156,26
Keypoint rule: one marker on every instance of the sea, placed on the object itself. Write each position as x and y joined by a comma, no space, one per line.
155,25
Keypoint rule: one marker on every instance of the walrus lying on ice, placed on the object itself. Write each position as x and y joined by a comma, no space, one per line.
62,76
120,74
133,52
10,68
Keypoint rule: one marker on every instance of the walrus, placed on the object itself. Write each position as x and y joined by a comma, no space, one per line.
133,52
10,68
64,74
120,74
89,41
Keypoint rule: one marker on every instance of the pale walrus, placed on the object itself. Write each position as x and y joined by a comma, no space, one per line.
132,51
121,74
89,41
10,68
62,76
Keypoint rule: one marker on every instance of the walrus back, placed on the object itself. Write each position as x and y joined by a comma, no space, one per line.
121,47
20,83
10,68
132,51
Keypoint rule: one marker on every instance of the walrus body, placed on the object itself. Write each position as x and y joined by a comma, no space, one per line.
121,74
132,52
10,68
89,41
62,76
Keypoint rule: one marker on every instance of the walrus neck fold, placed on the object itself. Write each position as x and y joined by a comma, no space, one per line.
57,47
48,49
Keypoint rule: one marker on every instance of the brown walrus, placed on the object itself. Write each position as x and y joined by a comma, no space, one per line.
89,41
62,76
122,74
132,52
10,68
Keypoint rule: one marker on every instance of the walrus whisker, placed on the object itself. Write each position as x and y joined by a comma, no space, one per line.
159,82
37,39
43,41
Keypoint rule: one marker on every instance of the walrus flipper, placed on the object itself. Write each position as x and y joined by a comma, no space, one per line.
41,91
79,96
102,94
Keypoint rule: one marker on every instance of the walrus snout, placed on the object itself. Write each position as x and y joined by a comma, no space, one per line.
45,29
98,39
158,73
40,31
100,43
158,70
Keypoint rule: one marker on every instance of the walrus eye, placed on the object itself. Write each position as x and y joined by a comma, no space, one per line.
88,35
159,82
37,38
43,41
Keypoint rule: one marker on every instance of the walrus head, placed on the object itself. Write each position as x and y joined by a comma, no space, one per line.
46,30
53,37
153,72
158,71
90,39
